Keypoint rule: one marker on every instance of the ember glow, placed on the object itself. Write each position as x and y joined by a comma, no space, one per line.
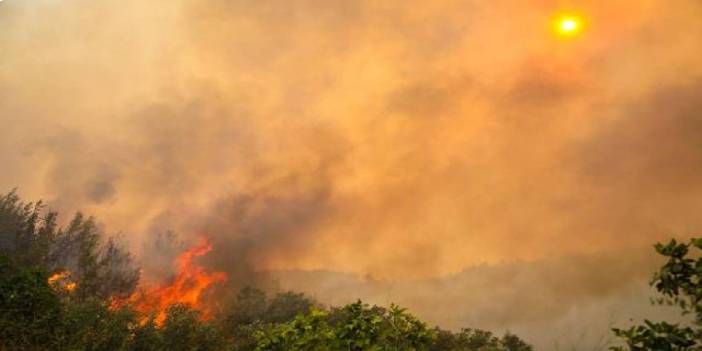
188,286
62,281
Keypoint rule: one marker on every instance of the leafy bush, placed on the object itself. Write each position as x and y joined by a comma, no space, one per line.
358,326
679,281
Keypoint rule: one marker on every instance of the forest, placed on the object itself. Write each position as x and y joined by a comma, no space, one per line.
73,287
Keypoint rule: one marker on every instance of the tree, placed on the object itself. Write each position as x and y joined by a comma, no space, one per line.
184,330
30,235
679,281
305,333
26,233
477,340
356,326
147,337
30,312
253,311
286,306
92,325
250,307
511,342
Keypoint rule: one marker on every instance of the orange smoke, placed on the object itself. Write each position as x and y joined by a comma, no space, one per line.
187,287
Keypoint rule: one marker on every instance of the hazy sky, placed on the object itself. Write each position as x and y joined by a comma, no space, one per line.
402,141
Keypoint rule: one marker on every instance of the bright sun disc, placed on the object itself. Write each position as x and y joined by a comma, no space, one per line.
568,25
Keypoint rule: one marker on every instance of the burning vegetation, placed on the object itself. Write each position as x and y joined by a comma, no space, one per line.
189,285
62,281
102,303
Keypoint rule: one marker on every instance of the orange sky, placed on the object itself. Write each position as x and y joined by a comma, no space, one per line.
396,139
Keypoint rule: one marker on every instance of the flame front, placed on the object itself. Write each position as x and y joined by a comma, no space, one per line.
187,287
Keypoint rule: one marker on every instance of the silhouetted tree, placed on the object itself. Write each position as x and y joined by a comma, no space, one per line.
29,234
286,306
679,281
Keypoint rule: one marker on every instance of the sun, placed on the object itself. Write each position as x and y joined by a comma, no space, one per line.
568,25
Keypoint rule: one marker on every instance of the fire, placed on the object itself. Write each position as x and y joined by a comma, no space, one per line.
62,281
57,277
187,287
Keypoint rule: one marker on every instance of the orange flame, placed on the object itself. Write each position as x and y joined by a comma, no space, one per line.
187,287
61,281
57,277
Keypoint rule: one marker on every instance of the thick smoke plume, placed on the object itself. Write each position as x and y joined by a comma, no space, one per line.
433,148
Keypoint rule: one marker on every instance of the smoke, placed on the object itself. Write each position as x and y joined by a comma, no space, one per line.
404,142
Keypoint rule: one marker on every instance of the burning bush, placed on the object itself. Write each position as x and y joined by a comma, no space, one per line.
187,287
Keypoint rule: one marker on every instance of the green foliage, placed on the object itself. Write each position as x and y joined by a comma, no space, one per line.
354,327
679,281
253,306
184,330
477,340
511,342
658,336
31,237
30,312
34,317
147,337
253,311
25,234
92,325
250,307
306,332
286,306
358,326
